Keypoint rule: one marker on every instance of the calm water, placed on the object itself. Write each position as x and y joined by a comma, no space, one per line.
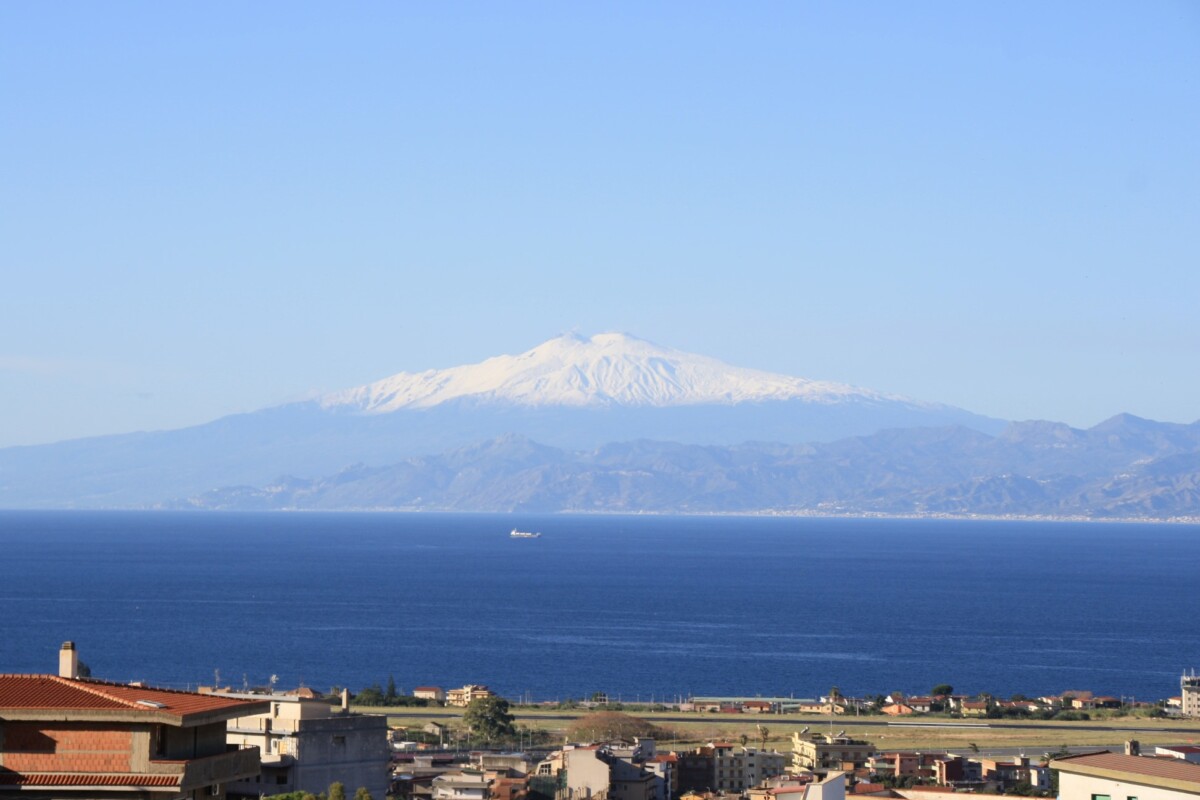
635,606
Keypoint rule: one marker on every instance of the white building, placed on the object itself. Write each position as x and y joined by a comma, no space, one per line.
1185,752
1115,776
467,784
308,744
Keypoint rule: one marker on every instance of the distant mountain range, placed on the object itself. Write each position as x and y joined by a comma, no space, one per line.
572,392
615,423
1125,467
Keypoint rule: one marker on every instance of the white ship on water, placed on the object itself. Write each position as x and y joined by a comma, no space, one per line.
516,534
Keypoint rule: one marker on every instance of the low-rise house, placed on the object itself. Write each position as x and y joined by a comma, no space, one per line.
974,708
921,705
898,710
62,736
1117,776
435,693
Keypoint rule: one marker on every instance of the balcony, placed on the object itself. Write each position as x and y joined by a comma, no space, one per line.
221,768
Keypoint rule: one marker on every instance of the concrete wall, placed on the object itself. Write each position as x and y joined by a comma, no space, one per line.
587,775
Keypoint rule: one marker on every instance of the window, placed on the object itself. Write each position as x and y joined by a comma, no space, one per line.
160,740
340,741
1101,797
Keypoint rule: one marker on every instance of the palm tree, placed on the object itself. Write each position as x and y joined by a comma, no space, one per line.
763,734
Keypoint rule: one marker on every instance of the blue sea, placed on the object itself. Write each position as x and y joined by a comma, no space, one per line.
643,608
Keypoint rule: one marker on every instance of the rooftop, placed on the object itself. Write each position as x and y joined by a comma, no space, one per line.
1167,773
29,695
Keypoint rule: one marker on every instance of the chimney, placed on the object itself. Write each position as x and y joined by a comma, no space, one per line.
345,700
68,661
1133,748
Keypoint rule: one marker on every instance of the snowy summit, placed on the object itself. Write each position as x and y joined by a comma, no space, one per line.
608,369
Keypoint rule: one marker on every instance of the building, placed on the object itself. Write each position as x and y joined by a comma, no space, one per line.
820,751
1189,694
62,736
723,767
614,771
463,697
974,708
1005,775
466,784
434,693
1185,752
1117,776
819,785
308,744
906,764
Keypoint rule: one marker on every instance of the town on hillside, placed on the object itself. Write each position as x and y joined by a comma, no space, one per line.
69,735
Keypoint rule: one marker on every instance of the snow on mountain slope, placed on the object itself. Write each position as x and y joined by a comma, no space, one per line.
609,369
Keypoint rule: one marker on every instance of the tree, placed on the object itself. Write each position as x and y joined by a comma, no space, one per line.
391,695
942,688
362,794
370,696
337,791
489,717
744,739
763,734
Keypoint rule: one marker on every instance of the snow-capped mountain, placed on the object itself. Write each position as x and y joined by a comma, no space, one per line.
571,392
605,370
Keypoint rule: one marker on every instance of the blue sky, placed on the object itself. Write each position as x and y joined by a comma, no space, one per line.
209,208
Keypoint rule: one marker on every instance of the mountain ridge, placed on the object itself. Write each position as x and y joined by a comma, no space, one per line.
915,471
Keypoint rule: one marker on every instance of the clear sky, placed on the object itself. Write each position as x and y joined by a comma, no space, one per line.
212,207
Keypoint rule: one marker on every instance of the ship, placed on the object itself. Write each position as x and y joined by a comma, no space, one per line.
516,534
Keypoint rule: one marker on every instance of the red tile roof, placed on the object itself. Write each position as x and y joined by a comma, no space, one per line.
86,779
53,693
1170,769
